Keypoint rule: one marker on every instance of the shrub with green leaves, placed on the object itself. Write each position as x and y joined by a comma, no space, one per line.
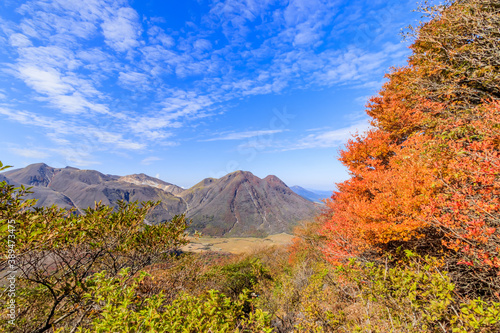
237,276
57,251
415,295
123,310
477,316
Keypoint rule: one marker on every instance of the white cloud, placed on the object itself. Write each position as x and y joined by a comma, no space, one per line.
76,103
44,81
133,80
362,100
158,36
32,119
19,40
245,135
91,137
202,44
67,93
29,153
72,160
122,30
57,139
330,139
70,71
45,57
50,71
151,127
150,160
114,139
76,156
43,18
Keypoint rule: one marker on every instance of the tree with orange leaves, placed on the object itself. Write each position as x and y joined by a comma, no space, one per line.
427,176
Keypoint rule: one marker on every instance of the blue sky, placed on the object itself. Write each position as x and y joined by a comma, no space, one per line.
191,89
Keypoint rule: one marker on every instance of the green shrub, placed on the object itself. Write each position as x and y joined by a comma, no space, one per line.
240,275
56,251
416,296
477,316
122,310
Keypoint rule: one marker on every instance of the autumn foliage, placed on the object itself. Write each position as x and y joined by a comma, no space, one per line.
427,175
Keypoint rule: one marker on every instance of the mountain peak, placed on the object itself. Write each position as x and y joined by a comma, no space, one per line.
272,178
38,174
240,173
38,165
275,181
241,203
240,176
312,195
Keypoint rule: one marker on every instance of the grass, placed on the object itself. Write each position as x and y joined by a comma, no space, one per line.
235,245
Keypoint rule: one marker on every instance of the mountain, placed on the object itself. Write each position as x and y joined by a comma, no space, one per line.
142,179
238,204
46,197
243,204
311,195
85,187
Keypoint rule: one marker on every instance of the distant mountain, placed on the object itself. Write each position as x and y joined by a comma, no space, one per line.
238,204
311,195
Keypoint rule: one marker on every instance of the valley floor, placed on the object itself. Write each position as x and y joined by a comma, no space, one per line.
235,245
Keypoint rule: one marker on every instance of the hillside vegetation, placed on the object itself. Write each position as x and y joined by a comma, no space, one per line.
410,243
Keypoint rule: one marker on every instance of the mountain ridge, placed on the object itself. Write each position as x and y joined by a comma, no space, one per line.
312,195
237,204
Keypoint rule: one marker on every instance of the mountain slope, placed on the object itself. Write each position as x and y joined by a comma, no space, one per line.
39,174
46,197
142,179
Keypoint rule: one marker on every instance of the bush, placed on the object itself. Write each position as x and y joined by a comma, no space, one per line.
237,276
415,295
123,310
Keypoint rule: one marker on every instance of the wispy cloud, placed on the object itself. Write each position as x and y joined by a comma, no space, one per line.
19,40
76,56
133,80
150,160
76,156
329,139
362,100
245,135
29,153
91,137
122,30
